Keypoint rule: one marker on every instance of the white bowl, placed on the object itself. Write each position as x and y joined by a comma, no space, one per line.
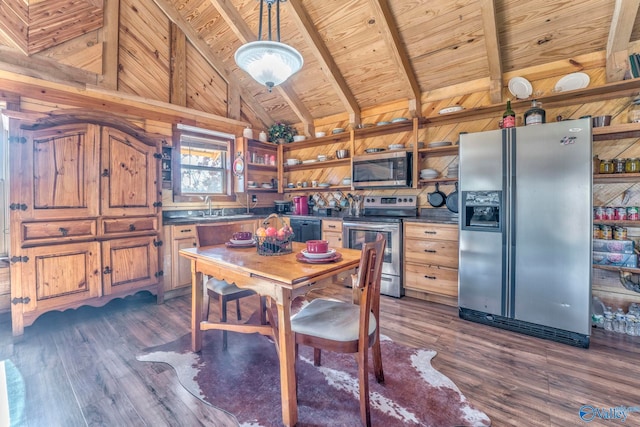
346,181
337,130
322,157
299,138
320,134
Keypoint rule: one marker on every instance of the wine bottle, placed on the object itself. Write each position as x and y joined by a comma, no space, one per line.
534,115
509,117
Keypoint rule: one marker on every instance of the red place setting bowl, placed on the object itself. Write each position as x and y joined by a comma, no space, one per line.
242,235
317,246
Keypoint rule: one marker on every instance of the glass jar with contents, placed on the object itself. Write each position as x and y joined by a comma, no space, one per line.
606,166
608,320
630,327
619,165
619,322
632,165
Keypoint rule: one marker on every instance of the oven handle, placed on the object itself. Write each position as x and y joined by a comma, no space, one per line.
371,226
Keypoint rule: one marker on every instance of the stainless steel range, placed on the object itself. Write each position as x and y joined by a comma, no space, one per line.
382,214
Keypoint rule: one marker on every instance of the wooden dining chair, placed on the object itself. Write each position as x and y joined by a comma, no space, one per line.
349,328
207,235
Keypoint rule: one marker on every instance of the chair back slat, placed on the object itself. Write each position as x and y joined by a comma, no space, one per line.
368,280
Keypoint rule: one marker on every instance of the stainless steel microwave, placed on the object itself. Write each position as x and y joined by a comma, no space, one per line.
389,169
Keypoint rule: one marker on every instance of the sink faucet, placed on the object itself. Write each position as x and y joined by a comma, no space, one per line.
208,200
222,212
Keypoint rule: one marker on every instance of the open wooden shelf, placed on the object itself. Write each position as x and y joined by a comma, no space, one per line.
612,268
316,165
612,178
615,222
449,150
318,189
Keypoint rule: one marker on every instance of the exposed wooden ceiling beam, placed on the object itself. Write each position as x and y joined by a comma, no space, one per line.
203,48
327,64
110,33
391,36
240,28
624,16
492,44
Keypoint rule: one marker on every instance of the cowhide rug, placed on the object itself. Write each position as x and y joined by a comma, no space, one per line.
244,381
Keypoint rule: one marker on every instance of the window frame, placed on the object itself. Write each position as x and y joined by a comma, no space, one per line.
217,138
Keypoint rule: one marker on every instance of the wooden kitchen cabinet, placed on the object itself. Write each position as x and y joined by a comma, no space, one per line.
431,261
332,232
84,210
177,269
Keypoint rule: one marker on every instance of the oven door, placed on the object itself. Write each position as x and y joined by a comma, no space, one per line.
355,234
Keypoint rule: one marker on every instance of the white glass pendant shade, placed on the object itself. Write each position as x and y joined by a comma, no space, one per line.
269,63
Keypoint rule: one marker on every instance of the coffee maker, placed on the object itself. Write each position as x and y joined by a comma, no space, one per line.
300,205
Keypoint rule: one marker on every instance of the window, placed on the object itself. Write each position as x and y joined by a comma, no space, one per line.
202,163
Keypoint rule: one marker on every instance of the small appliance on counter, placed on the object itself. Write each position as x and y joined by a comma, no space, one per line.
283,206
300,205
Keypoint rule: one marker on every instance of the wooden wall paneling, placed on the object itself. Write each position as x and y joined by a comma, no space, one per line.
206,90
144,50
56,21
110,34
83,52
14,23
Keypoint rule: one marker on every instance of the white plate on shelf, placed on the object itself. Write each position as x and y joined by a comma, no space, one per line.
520,87
399,119
451,109
572,81
382,123
267,186
306,162
324,185
396,146
331,252
438,144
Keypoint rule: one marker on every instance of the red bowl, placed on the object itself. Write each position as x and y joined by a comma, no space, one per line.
242,235
317,246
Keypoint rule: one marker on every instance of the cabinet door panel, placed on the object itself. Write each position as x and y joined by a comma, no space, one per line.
57,231
182,266
129,226
129,264
59,178
130,175
60,274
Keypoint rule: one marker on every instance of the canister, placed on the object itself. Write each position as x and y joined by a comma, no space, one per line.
619,165
606,166
609,212
632,165
598,212
597,233
606,232
632,213
619,233
620,214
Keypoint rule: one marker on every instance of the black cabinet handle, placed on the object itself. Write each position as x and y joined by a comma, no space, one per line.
430,232
431,251
430,277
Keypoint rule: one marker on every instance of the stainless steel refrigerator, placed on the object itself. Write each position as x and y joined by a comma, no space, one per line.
526,229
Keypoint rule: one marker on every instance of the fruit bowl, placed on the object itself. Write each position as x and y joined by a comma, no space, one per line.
274,237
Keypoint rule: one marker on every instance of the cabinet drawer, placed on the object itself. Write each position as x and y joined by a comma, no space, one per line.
40,232
432,252
331,226
431,231
183,231
437,280
131,225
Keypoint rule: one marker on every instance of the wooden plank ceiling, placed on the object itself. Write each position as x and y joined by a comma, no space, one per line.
358,54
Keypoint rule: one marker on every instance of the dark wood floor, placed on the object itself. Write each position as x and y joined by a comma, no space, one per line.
79,366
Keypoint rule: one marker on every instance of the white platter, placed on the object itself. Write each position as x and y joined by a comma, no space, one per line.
324,185
428,171
312,255
451,109
306,162
396,146
243,242
520,87
572,81
399,119
438,144
382,123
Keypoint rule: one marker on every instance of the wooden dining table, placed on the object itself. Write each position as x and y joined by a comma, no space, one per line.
281,278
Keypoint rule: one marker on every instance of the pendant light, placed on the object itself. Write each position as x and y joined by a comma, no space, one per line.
269,62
